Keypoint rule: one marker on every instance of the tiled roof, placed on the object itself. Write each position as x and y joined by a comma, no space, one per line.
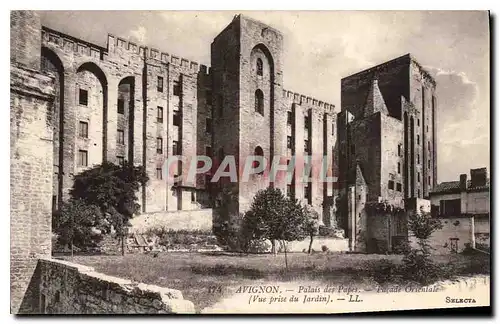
455,185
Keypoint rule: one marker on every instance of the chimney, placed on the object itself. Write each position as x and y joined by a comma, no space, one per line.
478,177
463,181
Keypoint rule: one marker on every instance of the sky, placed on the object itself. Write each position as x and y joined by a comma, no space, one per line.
322,47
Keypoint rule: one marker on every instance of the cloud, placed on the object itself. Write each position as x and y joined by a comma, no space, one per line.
139,34
462,124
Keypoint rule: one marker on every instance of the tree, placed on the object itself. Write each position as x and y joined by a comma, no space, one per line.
113,189
312,224
76,223
275,217
417,262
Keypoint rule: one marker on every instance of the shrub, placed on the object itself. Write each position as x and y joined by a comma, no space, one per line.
384,271
324,248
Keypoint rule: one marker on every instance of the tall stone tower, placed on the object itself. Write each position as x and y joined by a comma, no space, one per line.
31,123
247,83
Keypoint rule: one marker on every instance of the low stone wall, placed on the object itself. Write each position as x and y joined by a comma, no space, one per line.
332,244
69,288
200,219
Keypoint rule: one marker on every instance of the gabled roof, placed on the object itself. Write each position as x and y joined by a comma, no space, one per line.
454,186
375,101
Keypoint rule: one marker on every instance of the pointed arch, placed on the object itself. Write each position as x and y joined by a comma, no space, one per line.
101,76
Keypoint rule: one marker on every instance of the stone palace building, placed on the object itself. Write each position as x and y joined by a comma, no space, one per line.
127,103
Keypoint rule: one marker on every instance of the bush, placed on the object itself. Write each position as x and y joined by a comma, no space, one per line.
384,271
324,248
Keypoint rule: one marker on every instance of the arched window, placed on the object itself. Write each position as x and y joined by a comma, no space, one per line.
259,101
258,152
259,66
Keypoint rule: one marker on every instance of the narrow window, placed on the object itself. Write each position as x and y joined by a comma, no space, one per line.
306,122
258,152
418,139
208,125
399,149
175,148
83,129
429,181
208,97
429,164
82,158
121,160
418,158
289,142
159,114
418,176
159,174
159,145
193,196
391,185
177,88
418,122
289,118
399,167
159,85
259,67
121,136
208,151
177,118
429,146
121,106
306,146
398,187
83,97
259,101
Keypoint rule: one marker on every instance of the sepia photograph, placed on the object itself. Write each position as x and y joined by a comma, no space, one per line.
249,162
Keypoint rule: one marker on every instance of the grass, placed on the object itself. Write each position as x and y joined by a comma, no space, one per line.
196,273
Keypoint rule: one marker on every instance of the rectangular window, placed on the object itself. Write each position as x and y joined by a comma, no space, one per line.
83,129
308,193
83,97
159,114
289,142
289,118
175,148
418,176
399,149
177,88
429,146
418,194
333,129
391,185
306,146
177,118
418,122
208,125
306,122
399,167
418,139
398,187
450,207
82,158
429,181
159,145
121,160
418,158
427,128
193,196
121,136
159,174
121,106
208,97
429,164
159,85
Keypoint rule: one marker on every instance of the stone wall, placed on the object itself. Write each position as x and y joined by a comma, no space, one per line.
68,288
200,219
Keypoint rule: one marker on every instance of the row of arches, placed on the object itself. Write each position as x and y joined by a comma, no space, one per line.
89,81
